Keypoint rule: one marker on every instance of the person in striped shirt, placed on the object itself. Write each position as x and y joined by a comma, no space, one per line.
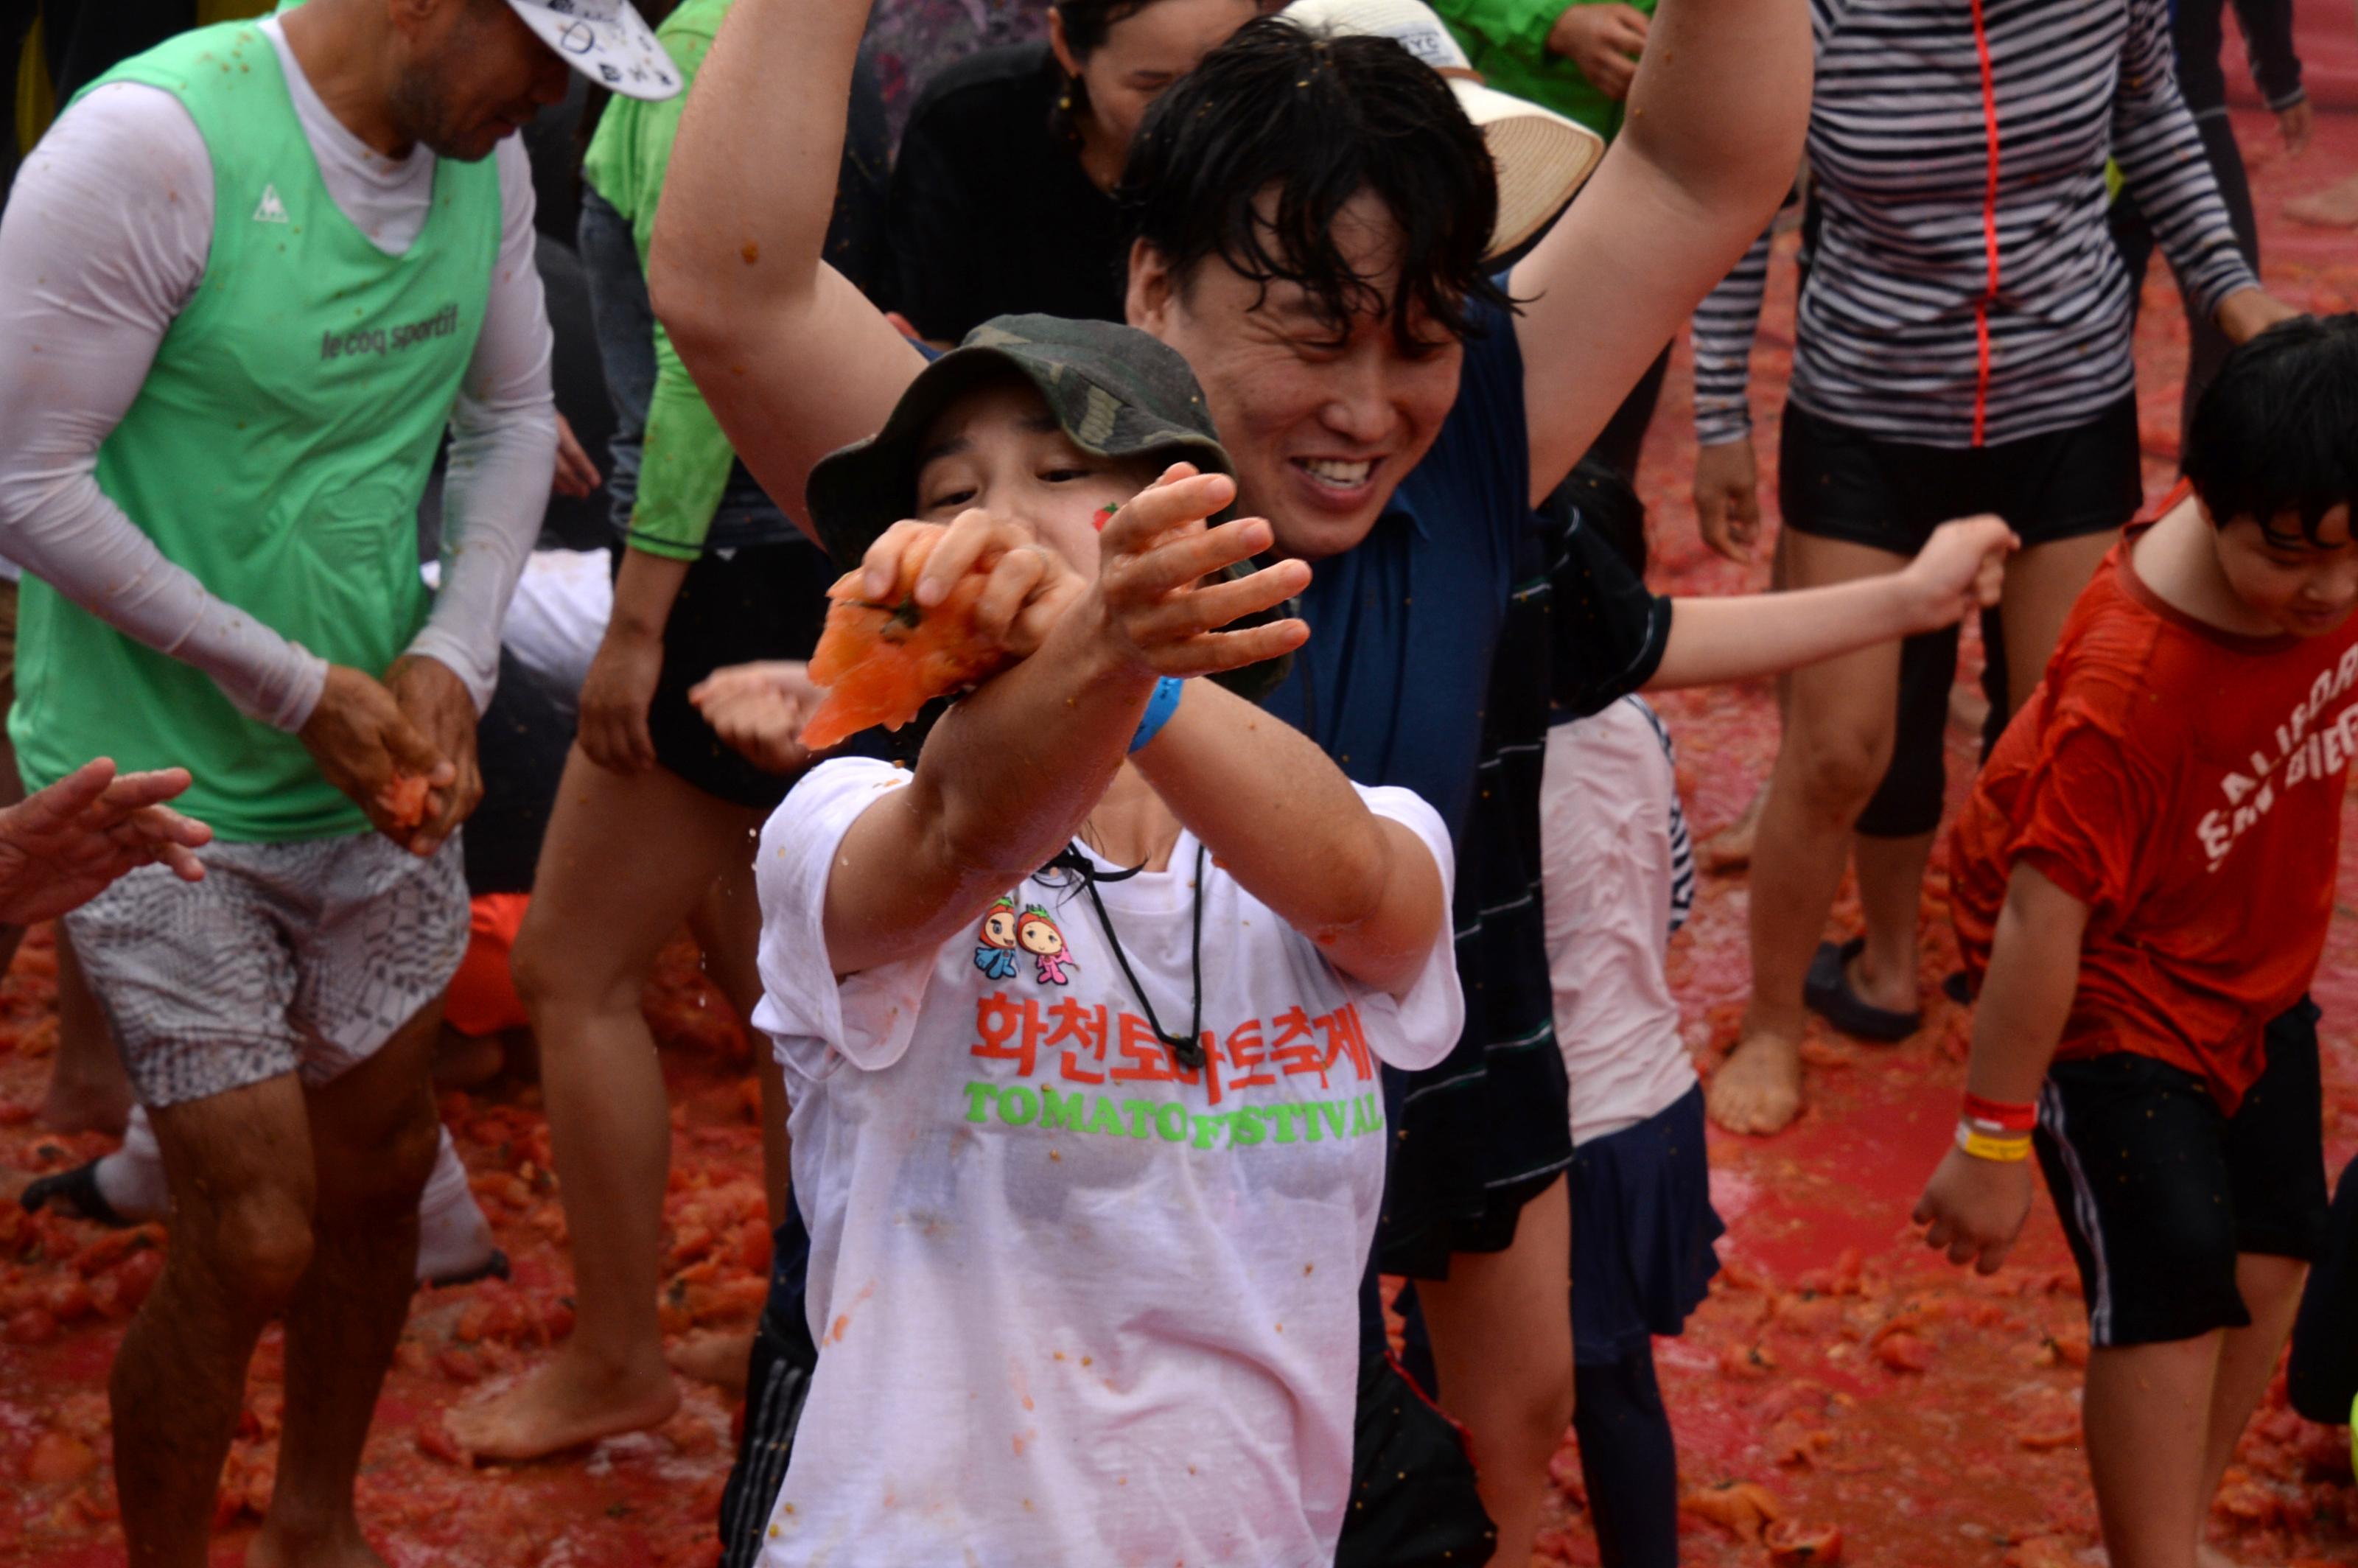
1962,344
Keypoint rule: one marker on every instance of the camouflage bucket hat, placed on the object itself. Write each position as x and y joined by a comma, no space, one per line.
1115,392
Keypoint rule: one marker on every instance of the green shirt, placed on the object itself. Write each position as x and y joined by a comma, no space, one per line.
276,451
685,469
1506,42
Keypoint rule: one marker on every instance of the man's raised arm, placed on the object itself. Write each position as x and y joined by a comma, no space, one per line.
1713,134
793,359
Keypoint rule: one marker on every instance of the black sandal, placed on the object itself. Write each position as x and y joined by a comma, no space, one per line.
1827,993
76,1194
494,1267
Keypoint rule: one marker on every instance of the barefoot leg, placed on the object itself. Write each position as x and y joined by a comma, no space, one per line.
373,1139
727,924
240,1165
1838,738
1502,1350
2145,1412
1891,898
626,860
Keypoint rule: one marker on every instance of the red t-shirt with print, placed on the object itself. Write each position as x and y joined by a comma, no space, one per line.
2185,784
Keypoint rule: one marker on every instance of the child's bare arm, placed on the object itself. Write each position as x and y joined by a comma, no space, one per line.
1975,1207
1960,569
1288,826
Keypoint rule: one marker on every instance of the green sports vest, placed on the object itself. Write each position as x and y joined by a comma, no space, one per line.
277,450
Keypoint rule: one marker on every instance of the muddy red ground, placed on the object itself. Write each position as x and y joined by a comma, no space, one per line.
1838,1370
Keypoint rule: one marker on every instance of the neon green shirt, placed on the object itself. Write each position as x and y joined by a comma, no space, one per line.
685,469
1506,41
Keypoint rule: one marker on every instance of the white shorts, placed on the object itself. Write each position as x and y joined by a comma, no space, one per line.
301,957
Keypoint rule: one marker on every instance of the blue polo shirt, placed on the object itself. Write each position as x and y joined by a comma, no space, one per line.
1392,683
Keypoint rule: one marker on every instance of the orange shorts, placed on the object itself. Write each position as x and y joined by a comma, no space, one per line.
483,996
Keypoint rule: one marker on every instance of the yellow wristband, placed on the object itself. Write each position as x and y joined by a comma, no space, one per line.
1982,1146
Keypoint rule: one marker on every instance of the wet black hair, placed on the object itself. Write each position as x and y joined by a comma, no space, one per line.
1318,120
2276,431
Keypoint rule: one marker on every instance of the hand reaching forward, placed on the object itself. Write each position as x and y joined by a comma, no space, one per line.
62,846
1159,601
760,708
1960,568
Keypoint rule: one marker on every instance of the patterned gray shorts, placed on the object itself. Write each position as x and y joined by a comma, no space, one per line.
301,957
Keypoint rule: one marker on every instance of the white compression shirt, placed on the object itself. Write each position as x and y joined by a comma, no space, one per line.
104,240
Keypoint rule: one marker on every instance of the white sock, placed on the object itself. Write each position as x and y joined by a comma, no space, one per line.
453,1237
132,1178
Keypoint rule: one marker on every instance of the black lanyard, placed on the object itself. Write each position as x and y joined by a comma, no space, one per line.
1187,1049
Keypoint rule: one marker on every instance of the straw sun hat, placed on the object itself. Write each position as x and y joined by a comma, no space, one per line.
1541,156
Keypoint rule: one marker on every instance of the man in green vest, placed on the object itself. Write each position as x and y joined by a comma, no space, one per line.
247,281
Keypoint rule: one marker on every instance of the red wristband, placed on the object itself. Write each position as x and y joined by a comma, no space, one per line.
1998,1115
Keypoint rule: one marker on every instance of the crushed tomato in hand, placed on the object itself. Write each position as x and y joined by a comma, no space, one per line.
881,663
402,801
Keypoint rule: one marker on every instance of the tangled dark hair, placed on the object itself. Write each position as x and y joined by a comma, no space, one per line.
2276,431
1316,121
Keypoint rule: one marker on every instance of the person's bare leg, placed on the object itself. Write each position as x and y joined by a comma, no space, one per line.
1502,1348
241,1173
374,1137
2270,1287
626,860
1730,849
88,1089
1891,898
1838,737
2147,1413
2042,583
727,924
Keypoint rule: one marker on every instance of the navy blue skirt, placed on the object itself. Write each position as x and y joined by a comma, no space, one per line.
1643,1229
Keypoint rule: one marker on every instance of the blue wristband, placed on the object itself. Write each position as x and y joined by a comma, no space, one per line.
1159,709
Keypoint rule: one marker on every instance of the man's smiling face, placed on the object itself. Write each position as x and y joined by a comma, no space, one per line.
1322,419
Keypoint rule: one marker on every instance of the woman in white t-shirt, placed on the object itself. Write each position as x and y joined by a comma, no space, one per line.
1081,1019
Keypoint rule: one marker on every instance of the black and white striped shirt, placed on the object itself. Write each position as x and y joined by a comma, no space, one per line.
1962,289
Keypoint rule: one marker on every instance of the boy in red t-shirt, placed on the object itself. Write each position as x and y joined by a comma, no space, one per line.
2141,884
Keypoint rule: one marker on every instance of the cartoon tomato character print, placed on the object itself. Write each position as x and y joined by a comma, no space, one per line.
1039,937
994,953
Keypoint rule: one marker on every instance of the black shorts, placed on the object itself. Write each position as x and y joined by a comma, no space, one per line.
2159,1191
761,601
1837,483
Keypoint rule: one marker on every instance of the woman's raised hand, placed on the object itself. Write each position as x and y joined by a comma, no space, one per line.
1156,607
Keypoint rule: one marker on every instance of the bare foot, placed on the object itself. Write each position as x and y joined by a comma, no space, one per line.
563,1405
1758,1089
2335,207
718,1358
1730,849
277,1545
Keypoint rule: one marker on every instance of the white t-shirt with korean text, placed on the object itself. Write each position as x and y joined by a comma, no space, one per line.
1076,1303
